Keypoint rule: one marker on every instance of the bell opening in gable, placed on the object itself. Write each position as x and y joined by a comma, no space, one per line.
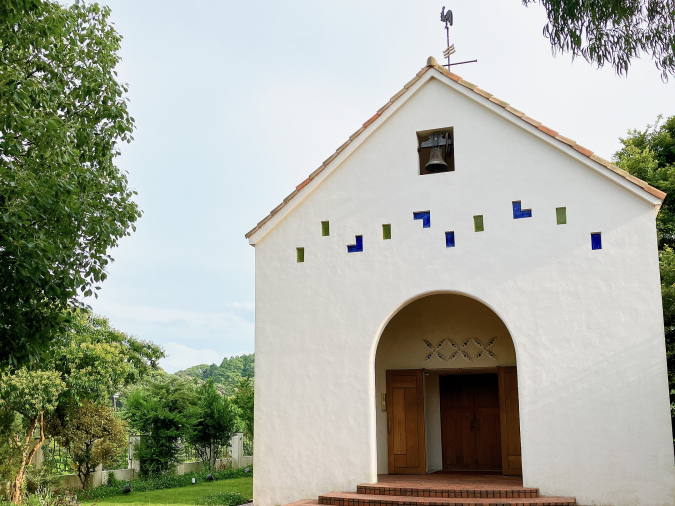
436,149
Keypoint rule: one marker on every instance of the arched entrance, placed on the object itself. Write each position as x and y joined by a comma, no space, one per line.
445,377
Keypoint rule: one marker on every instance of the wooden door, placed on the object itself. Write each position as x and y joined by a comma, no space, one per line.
470,421
510,421
458,439
405,422
487,422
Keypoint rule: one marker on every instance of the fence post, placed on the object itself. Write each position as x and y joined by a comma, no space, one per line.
133,463
237,445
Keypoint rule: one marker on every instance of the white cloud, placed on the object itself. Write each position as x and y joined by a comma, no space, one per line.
189,337
213,319
179,356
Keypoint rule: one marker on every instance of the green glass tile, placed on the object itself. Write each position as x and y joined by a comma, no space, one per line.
478,223
301,254
561,215
325,229
386,231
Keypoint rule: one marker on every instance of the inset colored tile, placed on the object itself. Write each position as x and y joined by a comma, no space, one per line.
561,215
425,216
520,213
355,248
449,239
300,252
478,223
596,240
325,229
386,232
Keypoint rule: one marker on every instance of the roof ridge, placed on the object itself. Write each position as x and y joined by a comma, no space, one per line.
432,63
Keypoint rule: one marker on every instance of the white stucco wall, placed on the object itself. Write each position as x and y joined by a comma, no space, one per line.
433,319
587,325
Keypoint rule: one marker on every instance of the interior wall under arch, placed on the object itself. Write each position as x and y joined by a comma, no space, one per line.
434,319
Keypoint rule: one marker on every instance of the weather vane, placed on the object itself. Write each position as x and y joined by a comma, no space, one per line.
446,17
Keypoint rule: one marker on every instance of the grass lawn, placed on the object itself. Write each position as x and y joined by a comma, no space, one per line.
188,496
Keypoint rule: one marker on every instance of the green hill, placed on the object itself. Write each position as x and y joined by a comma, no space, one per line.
227,374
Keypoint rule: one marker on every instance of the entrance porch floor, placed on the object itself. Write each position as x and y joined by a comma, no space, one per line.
445,480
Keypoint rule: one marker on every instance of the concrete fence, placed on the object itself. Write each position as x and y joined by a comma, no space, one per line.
235,460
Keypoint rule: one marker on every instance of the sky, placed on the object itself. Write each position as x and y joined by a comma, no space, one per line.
237,102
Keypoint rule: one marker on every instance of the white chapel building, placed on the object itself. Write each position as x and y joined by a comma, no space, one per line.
460,288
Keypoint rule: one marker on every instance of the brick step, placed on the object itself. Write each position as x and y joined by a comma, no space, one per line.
449,491
352,499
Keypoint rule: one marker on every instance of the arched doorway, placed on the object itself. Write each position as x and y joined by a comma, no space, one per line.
445,377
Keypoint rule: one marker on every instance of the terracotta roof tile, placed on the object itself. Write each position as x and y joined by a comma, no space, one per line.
384,107
303,184
514,111
330,158
531,121
548,131
657,193
482,93
584,151
567,141
343,146
601,161
277,209
357,133
411,82
500,103
401,92
431,63
467,84
377,115
317,172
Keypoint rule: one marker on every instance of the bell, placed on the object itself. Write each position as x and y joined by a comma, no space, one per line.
436,162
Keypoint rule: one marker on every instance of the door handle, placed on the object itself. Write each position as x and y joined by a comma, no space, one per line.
388,426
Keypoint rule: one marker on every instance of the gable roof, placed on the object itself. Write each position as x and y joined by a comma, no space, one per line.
432,64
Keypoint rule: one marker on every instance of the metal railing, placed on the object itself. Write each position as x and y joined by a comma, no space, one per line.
57,458
248,446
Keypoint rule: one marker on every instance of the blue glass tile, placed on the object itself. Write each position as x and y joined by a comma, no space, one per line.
355,248
520,213
425,216
596,241
449,239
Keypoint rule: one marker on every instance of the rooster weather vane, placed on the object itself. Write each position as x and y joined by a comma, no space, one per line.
446,17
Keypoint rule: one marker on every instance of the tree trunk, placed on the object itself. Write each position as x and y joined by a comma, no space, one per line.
26,458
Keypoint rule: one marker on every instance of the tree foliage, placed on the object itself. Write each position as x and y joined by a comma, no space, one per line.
164,412
63,202
613,32
92,434
243,400
650,155
227,375
216,423
29,394
90,363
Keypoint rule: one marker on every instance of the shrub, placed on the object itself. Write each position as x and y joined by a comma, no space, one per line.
222,499
162,481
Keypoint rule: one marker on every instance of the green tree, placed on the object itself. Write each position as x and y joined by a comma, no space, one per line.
63,202
650,155
92,434
227,375
243,400
613,32
91,362
164,412
30,394
216,423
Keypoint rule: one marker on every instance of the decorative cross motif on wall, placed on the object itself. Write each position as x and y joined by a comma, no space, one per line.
460,350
